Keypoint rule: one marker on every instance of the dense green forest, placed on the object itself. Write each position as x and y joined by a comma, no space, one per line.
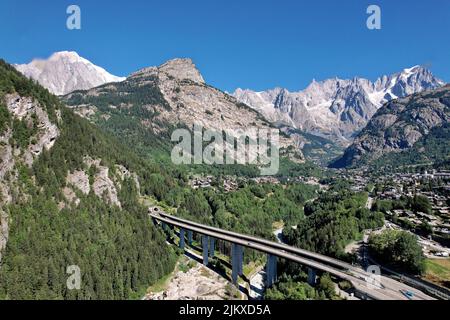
250,209
118,250
135,123
398,249
333,220
295,288
330,222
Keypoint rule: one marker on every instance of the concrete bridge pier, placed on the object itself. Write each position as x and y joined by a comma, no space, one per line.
205,244
212,246
240,254
189,236
236,262
181,244
312,277
271,270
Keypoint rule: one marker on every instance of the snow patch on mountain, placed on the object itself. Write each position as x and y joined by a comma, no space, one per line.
65,71
337,108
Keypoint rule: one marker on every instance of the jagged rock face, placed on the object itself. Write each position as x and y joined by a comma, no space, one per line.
6,155
194,102
104,187
25,109
336,108
104,184
187,100
70,196
28,110
65,72
80,180
182,69
123,173
4,230
398,125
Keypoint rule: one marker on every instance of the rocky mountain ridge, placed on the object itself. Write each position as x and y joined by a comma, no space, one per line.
398,125
173,95
66,71
21,110
69,195
337,108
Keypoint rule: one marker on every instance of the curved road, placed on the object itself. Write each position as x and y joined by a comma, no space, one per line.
388,290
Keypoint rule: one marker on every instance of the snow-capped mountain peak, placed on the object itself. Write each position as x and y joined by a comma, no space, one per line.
337,108
66,71
409,71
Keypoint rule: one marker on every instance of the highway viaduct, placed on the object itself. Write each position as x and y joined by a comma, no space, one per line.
362,281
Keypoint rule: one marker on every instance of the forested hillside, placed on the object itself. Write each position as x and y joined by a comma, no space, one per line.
403,132
333,220
433,149
252,209
144,110
53,223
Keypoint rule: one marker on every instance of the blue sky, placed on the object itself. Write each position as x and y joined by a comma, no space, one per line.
237,43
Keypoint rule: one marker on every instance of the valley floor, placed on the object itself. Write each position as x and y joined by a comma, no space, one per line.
193,281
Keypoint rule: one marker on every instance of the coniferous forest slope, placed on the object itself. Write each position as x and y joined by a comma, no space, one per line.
69,197
74,180
406,131
144,110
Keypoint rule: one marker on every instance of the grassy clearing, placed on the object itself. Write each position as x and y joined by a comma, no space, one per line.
161,285
277,225
438,271
251,268
185,267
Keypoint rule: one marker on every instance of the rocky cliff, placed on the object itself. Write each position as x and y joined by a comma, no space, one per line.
337,108
173,95
69,196
398,126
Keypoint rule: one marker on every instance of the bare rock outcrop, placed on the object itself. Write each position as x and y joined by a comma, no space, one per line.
104,186
182,69
70,196
27,109
179,98
80,180
398,126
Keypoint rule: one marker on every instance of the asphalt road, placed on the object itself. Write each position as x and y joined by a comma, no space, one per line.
387,289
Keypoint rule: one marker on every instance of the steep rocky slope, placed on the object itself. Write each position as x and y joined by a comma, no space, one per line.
69,197
399,125
65,72
153,101
335,108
